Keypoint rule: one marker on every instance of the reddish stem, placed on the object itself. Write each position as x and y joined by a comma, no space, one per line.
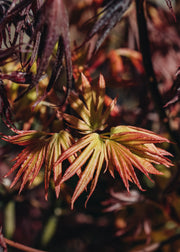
21,246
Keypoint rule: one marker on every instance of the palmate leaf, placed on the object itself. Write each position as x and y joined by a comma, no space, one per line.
92,115
43,25
107,19
125,155
53,25
115,151
124,149
94,152
41,149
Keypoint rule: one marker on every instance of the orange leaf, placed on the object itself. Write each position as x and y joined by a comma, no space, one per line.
41,148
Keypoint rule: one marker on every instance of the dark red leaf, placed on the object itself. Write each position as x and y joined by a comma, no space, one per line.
111,15
174,93
5,110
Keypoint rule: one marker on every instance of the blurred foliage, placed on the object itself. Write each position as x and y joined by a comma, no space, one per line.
113,220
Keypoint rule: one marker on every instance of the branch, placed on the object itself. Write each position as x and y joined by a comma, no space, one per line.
21,246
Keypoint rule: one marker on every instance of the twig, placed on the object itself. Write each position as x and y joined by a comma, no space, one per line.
21,246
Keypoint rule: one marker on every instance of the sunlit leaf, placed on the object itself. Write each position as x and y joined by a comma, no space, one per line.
41,149
90,109
93,153
124,149
98,149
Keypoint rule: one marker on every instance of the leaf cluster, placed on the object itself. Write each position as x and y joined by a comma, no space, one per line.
122,149
59,74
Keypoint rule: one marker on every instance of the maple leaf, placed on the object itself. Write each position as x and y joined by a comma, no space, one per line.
46,24
94,151
92,116
14,13
52,26
111,14
130,147
123,149
41,148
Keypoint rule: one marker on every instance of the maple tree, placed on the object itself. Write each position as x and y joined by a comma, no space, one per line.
78,106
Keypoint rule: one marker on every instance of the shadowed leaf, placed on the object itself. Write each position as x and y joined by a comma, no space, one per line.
5,110
42,24
174,92
169,4
110,16
52,27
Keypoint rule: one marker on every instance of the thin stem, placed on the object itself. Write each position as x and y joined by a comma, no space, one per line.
21,246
